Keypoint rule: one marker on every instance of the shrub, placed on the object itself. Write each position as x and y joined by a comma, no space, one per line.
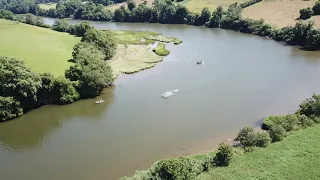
247,137
224,155
180,168
288,122
316,8
61,25
310,106
262,139
306,13
277,133
304,121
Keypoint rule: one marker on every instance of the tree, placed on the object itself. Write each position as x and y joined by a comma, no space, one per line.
19,82
205,15
80,29
61,25
262,139
102,40
180,168
131,5
224,155
277,133
90,71
85,53
216,19
9,108
119,15
247,137
306,13
316,8
63,91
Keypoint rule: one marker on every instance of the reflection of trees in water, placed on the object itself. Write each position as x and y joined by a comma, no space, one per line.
31,129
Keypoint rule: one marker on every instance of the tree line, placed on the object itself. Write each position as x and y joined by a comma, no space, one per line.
168,12
22,90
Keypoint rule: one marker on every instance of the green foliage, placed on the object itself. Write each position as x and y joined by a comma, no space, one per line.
310,106
180,168
288,122
18,81
277,133
306,13
304,121
7,15
246,137
80,29
131,5
63,91
61,25
9,108
224,155
262,139
85,52
90,70
161,50
102,40
316,8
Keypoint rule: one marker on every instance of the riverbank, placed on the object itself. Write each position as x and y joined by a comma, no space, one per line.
294,142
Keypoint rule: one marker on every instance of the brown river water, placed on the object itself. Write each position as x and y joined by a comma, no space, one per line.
244,79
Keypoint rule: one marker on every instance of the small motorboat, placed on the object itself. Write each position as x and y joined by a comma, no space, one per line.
200,62
189,59
167,94
100,101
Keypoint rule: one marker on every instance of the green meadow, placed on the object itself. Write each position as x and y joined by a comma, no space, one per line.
295,158
43,50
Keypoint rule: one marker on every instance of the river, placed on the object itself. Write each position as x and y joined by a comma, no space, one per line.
244,79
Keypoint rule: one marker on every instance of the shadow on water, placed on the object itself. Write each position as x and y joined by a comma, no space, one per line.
21,134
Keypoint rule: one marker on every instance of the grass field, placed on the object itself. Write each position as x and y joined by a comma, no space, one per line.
295,158
43,50
48,6
198,5
277,13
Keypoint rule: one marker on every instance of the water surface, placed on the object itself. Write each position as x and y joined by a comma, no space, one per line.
244,78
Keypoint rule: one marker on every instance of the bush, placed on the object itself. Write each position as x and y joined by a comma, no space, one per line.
304,121
288,122
180,168
277,133
316,8
61,25
306,13
310,107
224,155
262,139
247,137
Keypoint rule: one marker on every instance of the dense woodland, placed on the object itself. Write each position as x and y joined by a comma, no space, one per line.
22,90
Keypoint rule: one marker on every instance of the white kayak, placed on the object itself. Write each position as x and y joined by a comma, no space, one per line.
167,94
100,101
